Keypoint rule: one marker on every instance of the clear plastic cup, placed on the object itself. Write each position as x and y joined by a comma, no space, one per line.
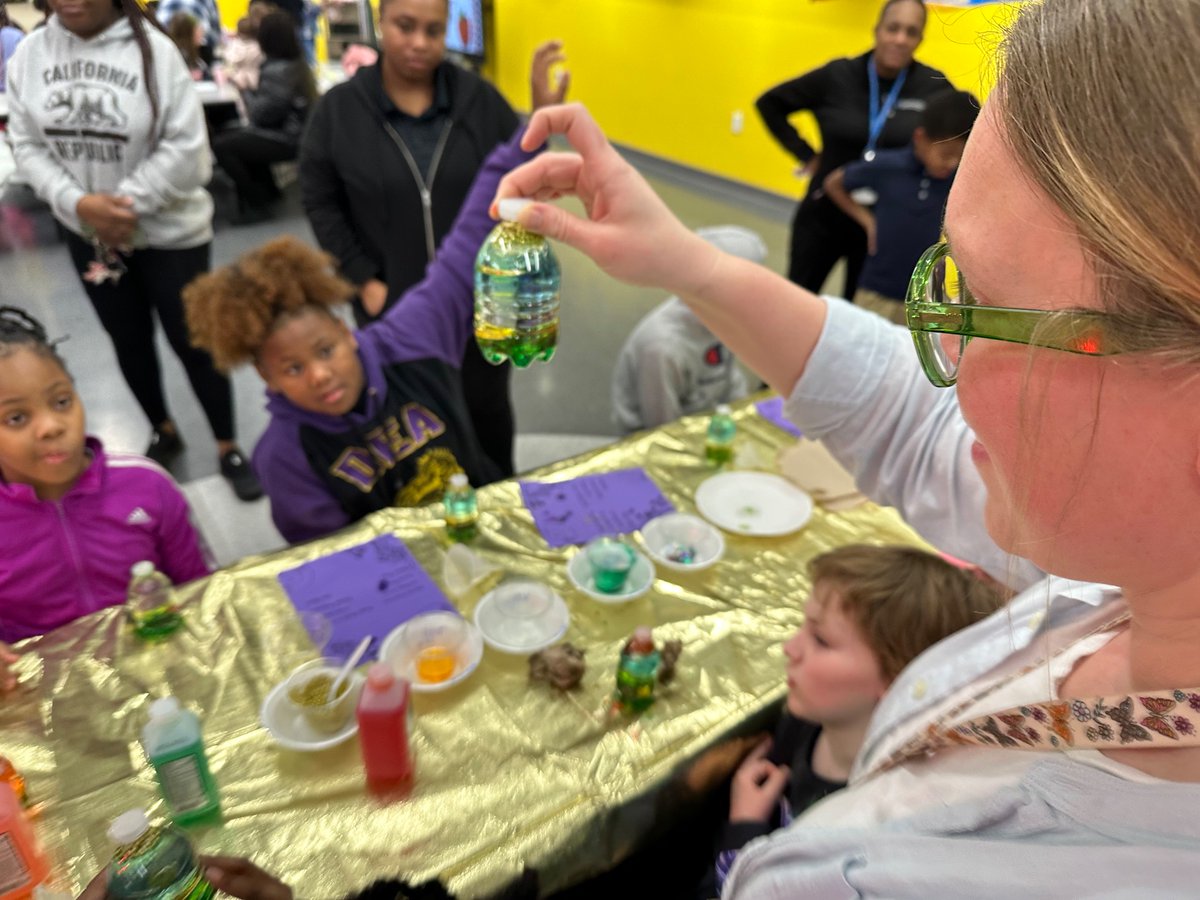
611,561
304,692
433,642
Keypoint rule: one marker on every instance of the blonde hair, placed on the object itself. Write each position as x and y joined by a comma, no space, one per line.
902,599
1100,106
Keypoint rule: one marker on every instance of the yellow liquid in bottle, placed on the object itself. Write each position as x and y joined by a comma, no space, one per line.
435,664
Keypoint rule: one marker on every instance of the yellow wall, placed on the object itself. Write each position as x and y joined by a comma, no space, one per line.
665,76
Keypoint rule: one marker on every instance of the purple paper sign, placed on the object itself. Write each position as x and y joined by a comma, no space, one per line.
772,411
575,511
368,589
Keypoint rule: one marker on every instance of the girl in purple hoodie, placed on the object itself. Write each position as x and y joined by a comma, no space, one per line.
75,518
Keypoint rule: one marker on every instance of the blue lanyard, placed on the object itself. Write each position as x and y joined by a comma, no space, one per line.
879,114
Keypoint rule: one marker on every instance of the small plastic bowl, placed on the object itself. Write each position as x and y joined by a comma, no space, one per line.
521,616
583,576
682,542
456,647
304,694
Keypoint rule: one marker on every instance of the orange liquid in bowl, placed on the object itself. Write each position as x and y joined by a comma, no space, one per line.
435,664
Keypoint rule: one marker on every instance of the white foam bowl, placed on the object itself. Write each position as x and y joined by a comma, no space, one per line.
641,577
667,534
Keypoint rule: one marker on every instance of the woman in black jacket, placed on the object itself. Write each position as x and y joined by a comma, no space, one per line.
386,163
855,121
277,110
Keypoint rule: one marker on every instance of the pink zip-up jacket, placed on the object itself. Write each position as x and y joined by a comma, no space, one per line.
60,560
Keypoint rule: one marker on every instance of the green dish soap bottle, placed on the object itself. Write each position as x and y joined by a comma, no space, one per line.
718,443
636,672
175,747
517,282
152,609
153,862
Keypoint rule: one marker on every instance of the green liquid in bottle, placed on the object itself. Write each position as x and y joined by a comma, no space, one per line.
517,280
718,444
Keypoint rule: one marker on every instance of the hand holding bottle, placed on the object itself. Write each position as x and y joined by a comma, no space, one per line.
626,219
241,878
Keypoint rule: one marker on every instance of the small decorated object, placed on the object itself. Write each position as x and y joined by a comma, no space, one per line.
561,666
107,264
641,665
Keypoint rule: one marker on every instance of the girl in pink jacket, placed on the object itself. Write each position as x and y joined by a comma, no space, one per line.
75,519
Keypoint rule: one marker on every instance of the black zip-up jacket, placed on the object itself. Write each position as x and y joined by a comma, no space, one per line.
360,192
837,94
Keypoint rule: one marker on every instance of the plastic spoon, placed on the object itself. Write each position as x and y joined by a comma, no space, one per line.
349,666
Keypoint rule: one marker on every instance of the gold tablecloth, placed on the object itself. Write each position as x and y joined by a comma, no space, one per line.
509,774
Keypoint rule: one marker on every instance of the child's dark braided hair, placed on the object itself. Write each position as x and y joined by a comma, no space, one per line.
19,329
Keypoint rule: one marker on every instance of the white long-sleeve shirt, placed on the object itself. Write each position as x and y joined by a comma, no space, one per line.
967,822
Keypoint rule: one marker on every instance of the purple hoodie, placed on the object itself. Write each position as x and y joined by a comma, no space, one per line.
60,560
411,429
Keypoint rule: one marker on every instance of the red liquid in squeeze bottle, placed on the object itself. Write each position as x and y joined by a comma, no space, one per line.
383,729
22,865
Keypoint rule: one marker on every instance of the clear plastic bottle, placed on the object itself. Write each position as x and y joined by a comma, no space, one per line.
153,862
383,729
718,444
22,865
517,281
637,671
175,746
151,603
462,509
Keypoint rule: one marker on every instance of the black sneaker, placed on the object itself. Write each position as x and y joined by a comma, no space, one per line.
164,447
239,476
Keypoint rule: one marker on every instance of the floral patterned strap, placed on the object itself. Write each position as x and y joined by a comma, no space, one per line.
1152,719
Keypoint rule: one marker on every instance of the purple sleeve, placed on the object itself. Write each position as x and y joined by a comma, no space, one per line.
302,507
434,317
183,555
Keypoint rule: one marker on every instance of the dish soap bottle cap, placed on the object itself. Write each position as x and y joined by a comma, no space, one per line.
163,709
129,826
723,409
142,569
380,676
458,480
510,207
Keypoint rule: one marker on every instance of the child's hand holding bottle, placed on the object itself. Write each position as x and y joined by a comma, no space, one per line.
757,786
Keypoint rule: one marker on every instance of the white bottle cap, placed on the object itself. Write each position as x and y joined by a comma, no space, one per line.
129,826
723,409
142,569
510,207
459,481
164,708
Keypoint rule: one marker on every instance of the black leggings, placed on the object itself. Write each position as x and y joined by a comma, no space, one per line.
153,284
821,235
246,156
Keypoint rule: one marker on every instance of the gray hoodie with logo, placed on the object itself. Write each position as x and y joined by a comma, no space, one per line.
81,122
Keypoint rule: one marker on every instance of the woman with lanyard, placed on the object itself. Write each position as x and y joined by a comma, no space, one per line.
862,104
387,161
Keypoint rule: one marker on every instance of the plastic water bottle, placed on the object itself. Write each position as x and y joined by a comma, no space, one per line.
718,444
636,672
517,280
175,746
462,510
151,606
153,862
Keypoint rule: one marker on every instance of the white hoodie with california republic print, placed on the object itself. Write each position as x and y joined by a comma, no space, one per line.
80,122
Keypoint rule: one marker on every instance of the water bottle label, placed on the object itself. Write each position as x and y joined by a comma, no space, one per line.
13,871
182,784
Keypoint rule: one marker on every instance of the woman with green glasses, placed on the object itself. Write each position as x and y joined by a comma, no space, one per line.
1053,748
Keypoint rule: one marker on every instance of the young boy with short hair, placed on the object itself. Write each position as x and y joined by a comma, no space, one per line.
908,188
872,610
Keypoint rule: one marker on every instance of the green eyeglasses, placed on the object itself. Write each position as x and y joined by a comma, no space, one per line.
943,316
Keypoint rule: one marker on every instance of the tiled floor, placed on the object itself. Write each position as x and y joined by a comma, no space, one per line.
568,398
